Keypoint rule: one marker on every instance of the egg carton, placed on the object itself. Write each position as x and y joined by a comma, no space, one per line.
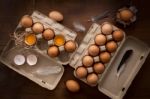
58,30
46,73
89,40
120,71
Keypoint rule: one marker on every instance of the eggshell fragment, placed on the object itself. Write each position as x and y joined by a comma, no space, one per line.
59,40
72,85
30,39
19,59
32,59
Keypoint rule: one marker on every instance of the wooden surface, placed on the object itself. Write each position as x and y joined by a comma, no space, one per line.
15,86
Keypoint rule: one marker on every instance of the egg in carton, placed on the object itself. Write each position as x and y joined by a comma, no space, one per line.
111,66
52,38
96,51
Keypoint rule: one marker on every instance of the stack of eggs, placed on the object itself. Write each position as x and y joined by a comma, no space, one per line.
99,53
57,43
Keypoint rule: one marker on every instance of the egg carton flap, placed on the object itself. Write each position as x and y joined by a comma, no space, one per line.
118,78
58,28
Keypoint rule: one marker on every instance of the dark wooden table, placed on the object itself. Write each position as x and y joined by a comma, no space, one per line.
15,86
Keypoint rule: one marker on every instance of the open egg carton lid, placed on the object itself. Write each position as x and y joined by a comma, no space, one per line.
46,72
58,29
122,68
118,78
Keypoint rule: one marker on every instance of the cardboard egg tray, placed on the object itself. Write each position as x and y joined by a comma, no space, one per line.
120,71
58,30
47,73
89,40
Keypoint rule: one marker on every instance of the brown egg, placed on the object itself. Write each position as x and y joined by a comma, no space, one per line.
99,68
100,39
93,50
70,46
111,46
26,21
107,28
92,79
38,27
126,15
55,15
48,34
87,61
81,72
53,51
118,35
105,57
72,85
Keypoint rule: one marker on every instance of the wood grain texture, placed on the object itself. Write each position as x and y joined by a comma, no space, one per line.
15,86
